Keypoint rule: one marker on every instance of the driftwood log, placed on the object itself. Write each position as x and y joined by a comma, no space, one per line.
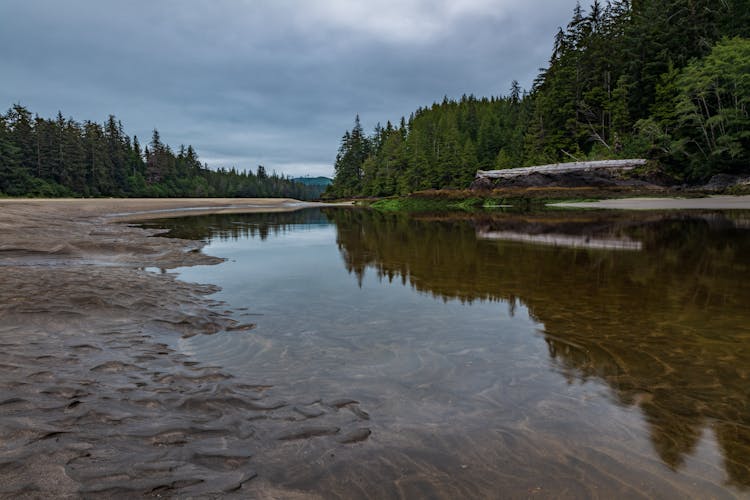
560,168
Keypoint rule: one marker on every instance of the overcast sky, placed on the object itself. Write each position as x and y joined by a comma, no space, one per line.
265,82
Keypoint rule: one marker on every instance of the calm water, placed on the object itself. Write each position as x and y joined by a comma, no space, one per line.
554,354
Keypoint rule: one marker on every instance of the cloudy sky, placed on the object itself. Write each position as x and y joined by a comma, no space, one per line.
265,82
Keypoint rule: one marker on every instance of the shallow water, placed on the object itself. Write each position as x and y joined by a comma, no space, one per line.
559,354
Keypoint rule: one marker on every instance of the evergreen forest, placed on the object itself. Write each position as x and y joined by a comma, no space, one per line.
667,80
62,157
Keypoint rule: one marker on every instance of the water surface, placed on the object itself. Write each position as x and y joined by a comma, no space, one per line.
559,354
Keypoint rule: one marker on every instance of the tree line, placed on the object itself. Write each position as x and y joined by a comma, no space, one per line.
660,79
63,157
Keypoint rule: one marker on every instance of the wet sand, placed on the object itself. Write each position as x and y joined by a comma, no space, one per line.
95,398
708,203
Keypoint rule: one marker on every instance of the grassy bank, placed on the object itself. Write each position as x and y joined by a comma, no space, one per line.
413,203
520,198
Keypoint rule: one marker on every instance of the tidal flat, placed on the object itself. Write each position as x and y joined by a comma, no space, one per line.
339,353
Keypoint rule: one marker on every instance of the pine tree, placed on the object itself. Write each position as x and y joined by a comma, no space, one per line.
13,179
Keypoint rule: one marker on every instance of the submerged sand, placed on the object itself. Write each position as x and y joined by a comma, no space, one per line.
95,397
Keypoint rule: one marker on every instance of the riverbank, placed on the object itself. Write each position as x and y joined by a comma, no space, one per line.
539,198
97,397
720,202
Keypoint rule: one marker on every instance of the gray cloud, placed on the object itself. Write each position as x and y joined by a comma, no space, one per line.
248,82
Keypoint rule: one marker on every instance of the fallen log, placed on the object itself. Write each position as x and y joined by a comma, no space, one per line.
560,168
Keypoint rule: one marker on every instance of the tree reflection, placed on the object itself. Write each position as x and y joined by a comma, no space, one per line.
666,325
238,226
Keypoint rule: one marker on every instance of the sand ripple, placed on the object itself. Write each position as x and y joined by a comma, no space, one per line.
95,397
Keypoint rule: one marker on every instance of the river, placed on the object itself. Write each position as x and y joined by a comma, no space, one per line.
561,353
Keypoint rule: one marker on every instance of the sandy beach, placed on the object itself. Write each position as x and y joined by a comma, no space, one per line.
95,399
708,203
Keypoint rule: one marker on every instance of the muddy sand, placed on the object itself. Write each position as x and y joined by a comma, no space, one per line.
95,398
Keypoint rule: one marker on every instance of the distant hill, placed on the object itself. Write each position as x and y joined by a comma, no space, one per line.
313,181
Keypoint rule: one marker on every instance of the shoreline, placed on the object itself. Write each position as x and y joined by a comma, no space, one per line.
425,201
715,202
124,209
96,398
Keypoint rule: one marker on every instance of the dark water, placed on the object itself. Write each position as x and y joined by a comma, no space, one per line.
560,354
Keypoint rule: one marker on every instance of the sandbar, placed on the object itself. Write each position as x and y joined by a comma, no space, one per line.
708,203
